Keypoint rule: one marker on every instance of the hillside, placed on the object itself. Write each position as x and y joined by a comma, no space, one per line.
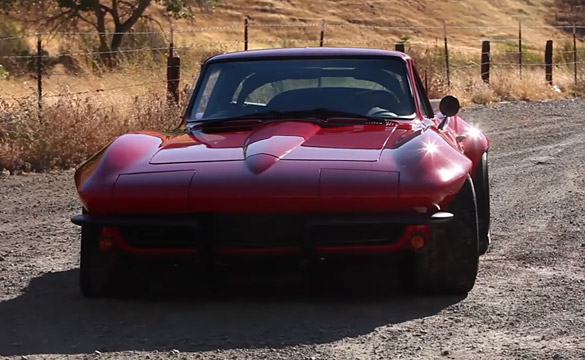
463,14
294,23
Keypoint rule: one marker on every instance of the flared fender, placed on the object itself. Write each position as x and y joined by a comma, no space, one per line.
96,177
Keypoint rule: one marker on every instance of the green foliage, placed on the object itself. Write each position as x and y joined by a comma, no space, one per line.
3,73
509,53
14,44
178,8
564,53
104,15
78,5
7,6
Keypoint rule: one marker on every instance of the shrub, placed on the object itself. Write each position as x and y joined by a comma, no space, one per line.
74,128
14,43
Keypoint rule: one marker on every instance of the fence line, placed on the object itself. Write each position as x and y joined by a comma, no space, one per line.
292,25
511,58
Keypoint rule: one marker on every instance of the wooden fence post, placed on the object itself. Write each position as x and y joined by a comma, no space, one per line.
246,24
520,48
322,36
173,72
548,60
575,53
485,61
399,47
40,74
448,72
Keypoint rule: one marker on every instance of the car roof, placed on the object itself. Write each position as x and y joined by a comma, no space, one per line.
307,52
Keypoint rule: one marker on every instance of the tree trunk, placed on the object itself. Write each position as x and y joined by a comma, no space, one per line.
122,28
104,48
117,40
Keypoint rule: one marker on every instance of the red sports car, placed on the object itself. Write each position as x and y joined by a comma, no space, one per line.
306,153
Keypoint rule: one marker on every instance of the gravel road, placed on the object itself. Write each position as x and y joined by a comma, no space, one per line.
529,300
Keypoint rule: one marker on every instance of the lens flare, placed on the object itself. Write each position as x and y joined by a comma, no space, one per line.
473,132
429,148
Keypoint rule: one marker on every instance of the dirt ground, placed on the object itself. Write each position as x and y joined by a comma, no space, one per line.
528,303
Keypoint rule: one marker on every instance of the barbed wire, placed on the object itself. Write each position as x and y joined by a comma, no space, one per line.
501,62
121,51
84,92
260,25
211,28
103,90
290,25
538,64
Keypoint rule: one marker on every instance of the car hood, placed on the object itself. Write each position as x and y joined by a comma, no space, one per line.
288,140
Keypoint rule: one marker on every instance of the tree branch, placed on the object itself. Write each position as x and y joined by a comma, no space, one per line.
57,24
114,12
125,8
158,23
127,5
86,20
143,4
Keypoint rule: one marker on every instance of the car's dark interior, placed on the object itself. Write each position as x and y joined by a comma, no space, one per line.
369,87
355,100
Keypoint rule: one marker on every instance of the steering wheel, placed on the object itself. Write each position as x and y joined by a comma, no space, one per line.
379,112
379,101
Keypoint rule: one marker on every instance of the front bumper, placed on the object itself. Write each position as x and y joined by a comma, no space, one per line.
263,234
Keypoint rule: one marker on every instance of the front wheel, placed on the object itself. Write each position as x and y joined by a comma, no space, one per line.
482,191
449,264
96,270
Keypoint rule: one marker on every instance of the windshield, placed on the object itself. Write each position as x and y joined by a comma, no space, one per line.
367,87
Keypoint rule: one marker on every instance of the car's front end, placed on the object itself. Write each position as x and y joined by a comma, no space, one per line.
279,157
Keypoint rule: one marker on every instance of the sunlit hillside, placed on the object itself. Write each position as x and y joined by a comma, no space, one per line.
504,15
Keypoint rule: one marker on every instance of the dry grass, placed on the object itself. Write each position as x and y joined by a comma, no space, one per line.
381,12
73,128
507,85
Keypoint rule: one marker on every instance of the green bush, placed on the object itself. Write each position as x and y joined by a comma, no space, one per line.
14,43
3,73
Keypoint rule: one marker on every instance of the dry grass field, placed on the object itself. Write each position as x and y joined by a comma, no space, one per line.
87,105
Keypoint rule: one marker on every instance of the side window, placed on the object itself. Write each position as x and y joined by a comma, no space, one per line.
422,95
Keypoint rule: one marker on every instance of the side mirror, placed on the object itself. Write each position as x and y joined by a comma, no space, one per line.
449,106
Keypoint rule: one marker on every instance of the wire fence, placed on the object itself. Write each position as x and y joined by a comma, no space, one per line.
59,62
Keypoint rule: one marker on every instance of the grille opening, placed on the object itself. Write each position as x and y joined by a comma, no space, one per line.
162,237
262,231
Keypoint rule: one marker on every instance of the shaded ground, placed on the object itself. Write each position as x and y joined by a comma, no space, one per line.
529,301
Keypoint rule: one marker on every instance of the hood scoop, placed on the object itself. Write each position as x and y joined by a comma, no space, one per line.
269,144
262,154
259,163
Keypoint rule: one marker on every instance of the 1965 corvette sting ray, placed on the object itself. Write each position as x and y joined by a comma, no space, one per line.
308,153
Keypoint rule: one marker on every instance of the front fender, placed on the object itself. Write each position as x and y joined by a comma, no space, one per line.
96,177
431,170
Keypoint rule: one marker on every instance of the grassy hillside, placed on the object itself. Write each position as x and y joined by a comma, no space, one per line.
464,14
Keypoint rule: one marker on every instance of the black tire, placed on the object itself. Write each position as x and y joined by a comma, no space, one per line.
449,264
482,191
96,269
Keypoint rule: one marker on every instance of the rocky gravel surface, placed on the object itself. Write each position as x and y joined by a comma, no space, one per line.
528,303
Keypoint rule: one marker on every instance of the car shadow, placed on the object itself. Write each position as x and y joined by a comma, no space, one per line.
52,317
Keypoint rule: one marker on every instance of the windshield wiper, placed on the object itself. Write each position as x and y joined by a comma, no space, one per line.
322,114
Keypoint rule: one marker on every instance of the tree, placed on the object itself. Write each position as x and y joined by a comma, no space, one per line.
114,16
569,11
